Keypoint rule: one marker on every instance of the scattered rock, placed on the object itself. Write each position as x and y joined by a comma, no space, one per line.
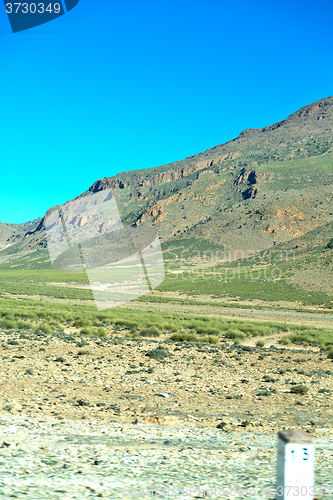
299,389
164,394
82,402
60,359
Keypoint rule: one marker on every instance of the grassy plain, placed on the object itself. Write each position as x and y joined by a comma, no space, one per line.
50,300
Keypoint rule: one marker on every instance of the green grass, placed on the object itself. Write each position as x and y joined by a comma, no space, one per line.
244,280
220,282
26,313
245,288
192,337
234,305
98,332
37,282
322,337
80,322
150,331
47,316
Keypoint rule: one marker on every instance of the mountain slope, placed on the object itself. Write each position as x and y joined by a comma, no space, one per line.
266,187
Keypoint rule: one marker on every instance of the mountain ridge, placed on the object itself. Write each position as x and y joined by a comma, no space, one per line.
266,186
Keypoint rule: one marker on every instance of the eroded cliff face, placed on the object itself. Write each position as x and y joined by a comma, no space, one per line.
107,183
179,173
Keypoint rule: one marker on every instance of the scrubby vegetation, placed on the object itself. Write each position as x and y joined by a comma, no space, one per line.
245,288
192,337
45,282
98,332
150,331
47,317
308,336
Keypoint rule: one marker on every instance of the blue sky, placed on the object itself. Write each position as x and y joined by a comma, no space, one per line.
121,85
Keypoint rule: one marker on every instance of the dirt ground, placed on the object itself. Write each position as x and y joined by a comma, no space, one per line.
240,388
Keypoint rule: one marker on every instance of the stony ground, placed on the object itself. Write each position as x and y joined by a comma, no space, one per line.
84,417
44,458
152,380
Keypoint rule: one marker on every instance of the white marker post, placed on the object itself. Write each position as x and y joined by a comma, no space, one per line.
295,466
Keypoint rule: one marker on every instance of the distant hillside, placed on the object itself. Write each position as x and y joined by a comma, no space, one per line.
266,187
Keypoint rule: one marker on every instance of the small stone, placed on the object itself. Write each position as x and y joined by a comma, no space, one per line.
29,371
82,402
225,427
60,359
164,394
299,389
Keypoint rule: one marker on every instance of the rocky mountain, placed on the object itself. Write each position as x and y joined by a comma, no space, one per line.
265,187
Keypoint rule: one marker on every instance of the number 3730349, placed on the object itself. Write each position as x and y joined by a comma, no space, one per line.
32,8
